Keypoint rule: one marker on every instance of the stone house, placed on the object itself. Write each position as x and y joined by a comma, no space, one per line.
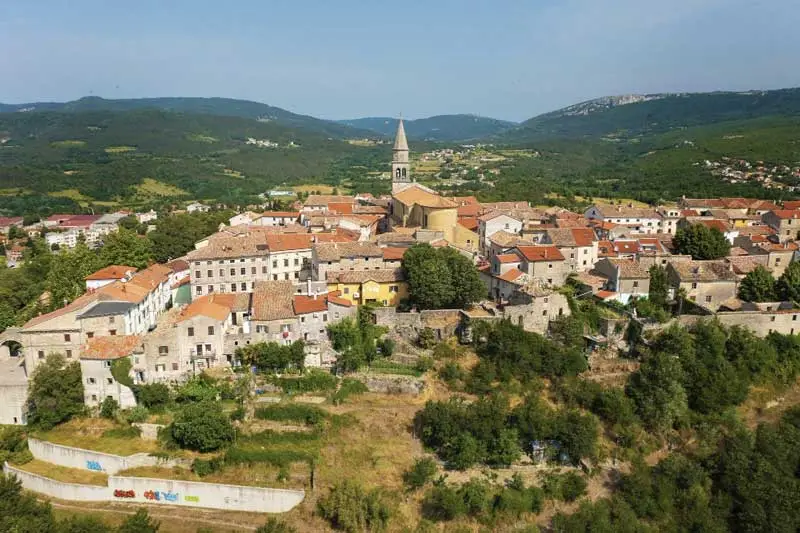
533,307
707,283
577,245
785,222
96,359
345,256
627,279
491,223
545,264
384,287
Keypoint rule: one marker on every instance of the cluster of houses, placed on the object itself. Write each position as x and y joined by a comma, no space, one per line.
285,276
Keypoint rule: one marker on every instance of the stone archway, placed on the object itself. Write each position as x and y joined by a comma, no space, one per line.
10,343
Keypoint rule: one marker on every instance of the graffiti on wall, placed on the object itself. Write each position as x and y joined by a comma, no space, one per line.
194,499
158,496
94,465
124,493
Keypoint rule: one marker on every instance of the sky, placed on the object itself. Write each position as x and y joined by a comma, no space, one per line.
508,59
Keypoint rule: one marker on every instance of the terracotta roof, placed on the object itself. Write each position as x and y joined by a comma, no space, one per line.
491,206
618,211
491,215
465,200
111,272
393,254
338,250
627,247
76,305
415,194
468,210
570,237
715,224
370,210
629,269
216,306
249,245
540,253
321,200
471,223
742,264
281,214
385,275
334,297
716,270
507,239
283,243
342,208
791,204
394,236
273,300
512,275
605,295
335,235
508,258
308,304
606,249
10,221
179,265
785,214
110,347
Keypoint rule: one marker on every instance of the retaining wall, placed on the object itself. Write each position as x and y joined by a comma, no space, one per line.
90,460
166,492
59,489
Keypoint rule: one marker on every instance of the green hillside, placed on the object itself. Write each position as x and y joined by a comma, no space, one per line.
58,158
655,114
209,106
443,128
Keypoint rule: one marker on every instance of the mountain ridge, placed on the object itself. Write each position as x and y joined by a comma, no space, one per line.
455,127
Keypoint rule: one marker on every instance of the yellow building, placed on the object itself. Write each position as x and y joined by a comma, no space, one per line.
384,286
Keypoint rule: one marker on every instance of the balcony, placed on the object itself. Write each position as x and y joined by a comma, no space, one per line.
205,354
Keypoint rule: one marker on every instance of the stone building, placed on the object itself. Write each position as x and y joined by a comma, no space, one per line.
577,245
345,256
626,278
97,358
707,283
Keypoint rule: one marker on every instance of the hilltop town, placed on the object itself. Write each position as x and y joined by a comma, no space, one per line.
285,284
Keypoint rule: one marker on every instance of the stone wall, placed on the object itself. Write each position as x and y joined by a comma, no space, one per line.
91,460
148,431
166,492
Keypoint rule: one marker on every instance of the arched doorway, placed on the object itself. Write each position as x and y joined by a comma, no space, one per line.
10,348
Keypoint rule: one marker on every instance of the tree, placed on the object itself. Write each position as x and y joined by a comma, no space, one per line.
140,522
273,357
56,392
657,390
274,525
659,287
701,242
353,509
154,396
758,286
109,407
788,285
420,473
441,278
20,512
66,277
83,524
125,247
202,427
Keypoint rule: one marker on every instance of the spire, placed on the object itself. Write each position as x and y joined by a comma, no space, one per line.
400,142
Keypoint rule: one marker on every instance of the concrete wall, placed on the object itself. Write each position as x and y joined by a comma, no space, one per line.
88,459
58,489
166,492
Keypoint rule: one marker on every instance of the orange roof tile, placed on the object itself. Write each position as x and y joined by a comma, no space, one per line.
111,272
273,300
216,306
393,254
540,253
512,275
785,214
308,304
341,208
415,194
334,298
110,347
286,242
508,258
471,223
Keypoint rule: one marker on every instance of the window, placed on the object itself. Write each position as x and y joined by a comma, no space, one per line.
694,285
635,284
242,271
544,313
324,317
233,287
296,262
197,273
210,330
110,381
40,354
221,272
94,397
112,332
244,286
550,265
274,263
286,275
199,290
91,381
163,350
111,320
208,348
233,272
69,354
302,319
347,290
772,318
174,366
392,288
708,299
794,317
190,332
286,262
264,269
274,277
297,275
210,273
253,271
67,337
210,289
89,334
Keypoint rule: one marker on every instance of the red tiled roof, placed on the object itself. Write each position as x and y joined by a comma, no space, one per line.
273,300
606,249
583,236
285,242
334,298
540,253
715,224
308,304
216,306
512,275
341,208
791,205
179,265
111,272
508,258
110,347
627,247
471,223
604,295
281,214
393,254
468,210
785,214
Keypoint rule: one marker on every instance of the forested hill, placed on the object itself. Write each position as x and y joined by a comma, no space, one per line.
438,128
90,156
210,106
628,116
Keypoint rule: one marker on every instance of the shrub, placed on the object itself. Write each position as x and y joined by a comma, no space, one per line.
136,414
14,445
238,414
427,338
274,525
424,364
443,502
205,467
423,471
202,427
55,393
452,373
139,523
353,509
348,387
109,408
316,380
387,347
296,412
154,396
198,389
566,487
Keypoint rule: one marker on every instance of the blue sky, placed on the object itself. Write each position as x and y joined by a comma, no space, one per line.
342,59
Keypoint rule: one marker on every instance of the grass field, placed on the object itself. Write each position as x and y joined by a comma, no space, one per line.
67,144
88,433
120,149
72,194
232,173
62,473
151,187
321,188
201,138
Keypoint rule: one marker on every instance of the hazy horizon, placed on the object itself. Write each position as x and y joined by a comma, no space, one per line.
509,60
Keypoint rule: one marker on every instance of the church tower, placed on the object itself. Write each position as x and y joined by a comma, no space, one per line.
401,170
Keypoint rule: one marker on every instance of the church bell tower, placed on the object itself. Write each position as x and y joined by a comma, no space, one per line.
401,170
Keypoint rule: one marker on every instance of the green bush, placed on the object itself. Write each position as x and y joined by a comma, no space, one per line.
353,509
136,414
423,471
14,445
109,408
427,338
443,502
205,467
313,381
202,427
387,347
295,412
567,487
423,364
274,525
154,396
452,374
348,387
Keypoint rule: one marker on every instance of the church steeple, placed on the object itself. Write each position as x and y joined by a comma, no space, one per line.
401,170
